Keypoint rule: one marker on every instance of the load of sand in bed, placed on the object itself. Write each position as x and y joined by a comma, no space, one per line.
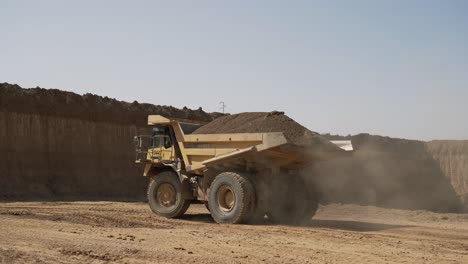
264,122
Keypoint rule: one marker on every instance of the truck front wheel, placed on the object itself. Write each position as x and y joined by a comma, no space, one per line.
165,195
231,198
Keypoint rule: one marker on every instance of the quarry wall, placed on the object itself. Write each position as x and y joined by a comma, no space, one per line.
60,145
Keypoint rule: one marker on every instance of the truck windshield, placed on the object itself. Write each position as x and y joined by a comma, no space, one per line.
161,138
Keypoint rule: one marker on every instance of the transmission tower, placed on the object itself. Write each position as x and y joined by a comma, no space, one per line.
222,106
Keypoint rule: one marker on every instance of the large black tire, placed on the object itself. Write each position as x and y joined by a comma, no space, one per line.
291,201
168,202
231,198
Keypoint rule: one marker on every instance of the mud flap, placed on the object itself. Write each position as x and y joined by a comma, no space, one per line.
187,192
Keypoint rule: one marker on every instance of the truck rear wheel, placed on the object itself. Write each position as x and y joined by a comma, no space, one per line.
231,198
165,195
292,202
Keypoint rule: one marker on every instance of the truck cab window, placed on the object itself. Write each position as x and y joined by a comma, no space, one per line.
161,138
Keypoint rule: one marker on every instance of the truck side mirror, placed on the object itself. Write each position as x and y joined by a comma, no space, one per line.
136,140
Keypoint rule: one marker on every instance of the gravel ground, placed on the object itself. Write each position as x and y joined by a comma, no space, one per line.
102,232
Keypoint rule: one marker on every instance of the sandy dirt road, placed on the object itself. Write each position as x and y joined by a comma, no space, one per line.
100,232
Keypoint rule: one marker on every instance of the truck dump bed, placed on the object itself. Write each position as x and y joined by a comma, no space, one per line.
200,151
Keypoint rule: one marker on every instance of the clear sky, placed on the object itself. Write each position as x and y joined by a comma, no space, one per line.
395,68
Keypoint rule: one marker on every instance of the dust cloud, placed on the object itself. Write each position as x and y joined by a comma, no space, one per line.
386,172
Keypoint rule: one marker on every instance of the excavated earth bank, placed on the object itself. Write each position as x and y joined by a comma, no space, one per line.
53,102
59,145
452,157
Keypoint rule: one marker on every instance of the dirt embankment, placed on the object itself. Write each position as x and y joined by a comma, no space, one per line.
452,156
56,144
53,102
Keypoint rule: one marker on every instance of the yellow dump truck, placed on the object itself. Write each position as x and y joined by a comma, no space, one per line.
240,177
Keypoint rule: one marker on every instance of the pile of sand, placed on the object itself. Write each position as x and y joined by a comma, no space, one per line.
263,122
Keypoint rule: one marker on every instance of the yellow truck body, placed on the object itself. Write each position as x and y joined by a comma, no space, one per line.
197,160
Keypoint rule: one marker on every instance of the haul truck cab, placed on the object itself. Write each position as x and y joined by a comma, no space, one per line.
239,177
